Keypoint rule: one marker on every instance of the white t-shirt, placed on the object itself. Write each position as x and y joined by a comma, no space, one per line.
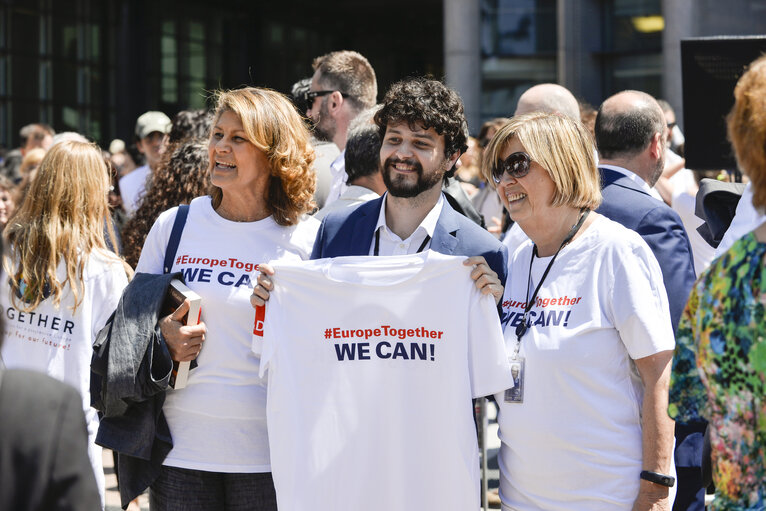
372,364
575,441
132,188
746,219
57,342
218,422
339,178
684,203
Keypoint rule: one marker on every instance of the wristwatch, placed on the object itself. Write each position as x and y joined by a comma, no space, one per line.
657,478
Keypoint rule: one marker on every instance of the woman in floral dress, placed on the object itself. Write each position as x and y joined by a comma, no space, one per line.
719,368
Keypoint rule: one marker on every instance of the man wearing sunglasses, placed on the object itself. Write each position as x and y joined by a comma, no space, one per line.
343,85
424,131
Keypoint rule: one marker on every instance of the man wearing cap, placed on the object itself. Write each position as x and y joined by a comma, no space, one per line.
151,128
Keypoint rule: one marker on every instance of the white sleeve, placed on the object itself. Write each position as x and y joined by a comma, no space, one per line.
487,358
639,303
153,252
746,218
106,290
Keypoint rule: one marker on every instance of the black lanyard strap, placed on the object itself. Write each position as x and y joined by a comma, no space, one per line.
377,243
522,327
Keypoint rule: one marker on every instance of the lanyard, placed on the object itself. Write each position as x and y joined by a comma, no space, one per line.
377,243
522,328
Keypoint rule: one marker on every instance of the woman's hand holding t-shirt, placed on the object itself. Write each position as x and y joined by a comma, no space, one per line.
184,342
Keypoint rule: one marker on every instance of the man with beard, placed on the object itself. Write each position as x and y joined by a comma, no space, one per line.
423,128
630,136
342,87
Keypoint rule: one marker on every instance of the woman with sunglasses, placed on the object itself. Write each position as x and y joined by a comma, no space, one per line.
588,329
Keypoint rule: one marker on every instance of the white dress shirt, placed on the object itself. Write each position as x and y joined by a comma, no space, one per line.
391,244
339,178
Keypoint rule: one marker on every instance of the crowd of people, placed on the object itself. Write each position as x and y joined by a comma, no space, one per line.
568,283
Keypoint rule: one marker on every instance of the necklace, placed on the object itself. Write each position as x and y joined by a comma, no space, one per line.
225,214
522,328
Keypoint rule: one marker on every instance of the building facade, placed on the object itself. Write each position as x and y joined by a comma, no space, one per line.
93,66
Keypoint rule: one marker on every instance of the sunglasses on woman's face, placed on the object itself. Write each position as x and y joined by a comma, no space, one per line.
516,166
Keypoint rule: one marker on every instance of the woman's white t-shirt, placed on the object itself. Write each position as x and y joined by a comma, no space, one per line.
59,343
575,441
218,421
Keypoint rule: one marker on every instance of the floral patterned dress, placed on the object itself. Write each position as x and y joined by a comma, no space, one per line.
719,371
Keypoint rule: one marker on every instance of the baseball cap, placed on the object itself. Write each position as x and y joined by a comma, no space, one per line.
152,121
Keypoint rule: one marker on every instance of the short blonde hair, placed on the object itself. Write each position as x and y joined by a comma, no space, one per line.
746,125
272,124
562,146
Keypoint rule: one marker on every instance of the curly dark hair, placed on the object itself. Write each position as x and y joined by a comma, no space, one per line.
428,104
190,124
181,178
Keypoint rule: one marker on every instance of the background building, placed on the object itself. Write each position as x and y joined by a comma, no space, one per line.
93,66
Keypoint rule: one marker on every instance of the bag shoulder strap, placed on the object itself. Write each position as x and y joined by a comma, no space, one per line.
175,236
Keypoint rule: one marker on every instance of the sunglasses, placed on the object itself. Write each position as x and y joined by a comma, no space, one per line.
311,95
516,166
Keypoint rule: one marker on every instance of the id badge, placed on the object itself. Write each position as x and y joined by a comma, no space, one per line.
516,393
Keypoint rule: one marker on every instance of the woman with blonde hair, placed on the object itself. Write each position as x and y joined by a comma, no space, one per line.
588,326
59,282
262,185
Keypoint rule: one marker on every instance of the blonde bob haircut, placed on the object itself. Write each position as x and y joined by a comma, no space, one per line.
746,125
61,219
272,125
562,146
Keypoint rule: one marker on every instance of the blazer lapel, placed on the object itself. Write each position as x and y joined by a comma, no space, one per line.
445,233
364,227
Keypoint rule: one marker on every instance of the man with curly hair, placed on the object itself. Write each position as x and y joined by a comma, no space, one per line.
423,128
424,132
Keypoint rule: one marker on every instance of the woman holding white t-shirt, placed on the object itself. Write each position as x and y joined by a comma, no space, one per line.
588,331
262,184
59,282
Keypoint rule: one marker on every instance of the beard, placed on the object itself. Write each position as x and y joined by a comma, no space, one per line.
399,186
324,129
658,170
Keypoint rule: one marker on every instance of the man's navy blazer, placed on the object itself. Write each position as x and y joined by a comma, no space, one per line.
660,227
349,233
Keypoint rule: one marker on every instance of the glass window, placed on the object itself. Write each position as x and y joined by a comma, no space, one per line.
518,44
518,27
633,45
636,25
3,33
169,62
65,39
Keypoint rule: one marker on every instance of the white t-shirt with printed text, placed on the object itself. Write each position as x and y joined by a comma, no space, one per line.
372,364
59,342
575,441
218,421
